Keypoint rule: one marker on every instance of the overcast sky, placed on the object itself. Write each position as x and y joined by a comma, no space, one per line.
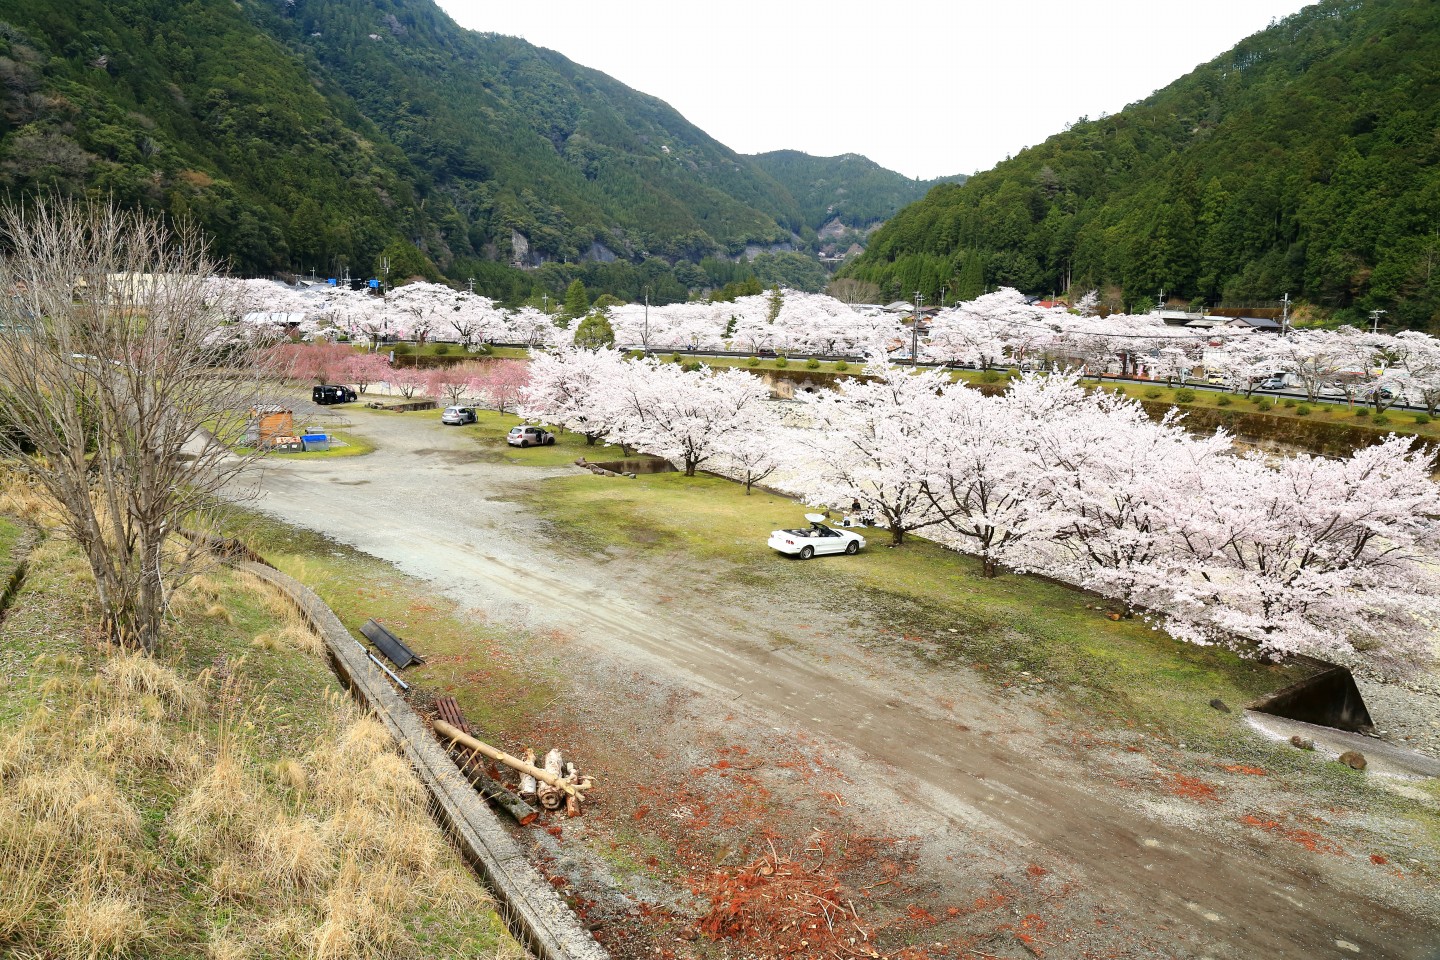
925,87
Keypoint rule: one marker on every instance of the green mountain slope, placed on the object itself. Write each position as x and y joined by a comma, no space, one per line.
1305,160
325,134
850,189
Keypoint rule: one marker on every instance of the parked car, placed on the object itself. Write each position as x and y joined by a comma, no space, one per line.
458,416
1275,382
817,539
332,393
526,436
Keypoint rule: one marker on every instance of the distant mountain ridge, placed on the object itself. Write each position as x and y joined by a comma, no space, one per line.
1303,161
324,133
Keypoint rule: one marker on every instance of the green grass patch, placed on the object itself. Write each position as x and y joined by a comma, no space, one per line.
922,599
499,691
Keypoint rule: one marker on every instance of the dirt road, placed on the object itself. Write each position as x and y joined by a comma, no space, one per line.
984,795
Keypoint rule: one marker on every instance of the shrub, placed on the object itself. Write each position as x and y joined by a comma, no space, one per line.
1303,410
1012,374
841,366
1362,412
753,362
1184,395
989,376
1264,406
441,349
1223,401
781,362
1422,418
812,364
401,349
1288,402
1382,420
635,355
675,358
1154,393
690,366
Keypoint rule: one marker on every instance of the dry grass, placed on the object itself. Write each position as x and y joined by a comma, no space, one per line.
135,790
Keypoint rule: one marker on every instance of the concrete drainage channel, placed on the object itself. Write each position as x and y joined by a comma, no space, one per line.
533,911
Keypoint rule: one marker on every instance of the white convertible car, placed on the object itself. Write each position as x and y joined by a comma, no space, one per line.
817,539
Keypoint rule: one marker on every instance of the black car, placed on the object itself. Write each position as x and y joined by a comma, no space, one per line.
332,393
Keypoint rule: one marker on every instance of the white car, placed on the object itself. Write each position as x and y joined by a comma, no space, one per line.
817,539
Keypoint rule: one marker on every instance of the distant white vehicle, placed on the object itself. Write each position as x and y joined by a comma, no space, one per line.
817,539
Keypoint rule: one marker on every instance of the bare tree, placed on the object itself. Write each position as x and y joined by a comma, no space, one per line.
113,377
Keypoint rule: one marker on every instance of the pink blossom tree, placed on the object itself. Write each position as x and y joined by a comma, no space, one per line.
364,369
406,381
500,383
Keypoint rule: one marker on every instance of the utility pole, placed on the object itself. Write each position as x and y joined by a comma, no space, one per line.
1285,314
1375,316
471,282
645,330
915,333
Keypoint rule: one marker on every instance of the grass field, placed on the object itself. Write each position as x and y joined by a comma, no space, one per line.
223,799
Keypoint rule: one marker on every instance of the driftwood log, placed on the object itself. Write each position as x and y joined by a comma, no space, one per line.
469,763
550,797
527,782
544,776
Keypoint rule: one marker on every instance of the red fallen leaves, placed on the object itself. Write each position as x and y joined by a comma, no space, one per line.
1308,839
787,905
1242,768
1192,788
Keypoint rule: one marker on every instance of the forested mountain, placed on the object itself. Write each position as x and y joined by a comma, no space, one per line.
326,133
1306,160
850,189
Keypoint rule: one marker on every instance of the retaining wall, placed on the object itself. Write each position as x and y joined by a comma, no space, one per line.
533,910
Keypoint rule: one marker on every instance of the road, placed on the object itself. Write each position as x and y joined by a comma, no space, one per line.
427,503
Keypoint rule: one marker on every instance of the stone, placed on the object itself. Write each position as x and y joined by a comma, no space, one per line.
1353,759
1219,704
1301,743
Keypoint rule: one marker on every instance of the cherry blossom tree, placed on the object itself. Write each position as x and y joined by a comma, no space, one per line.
867,443
451,382
1311,555
687,417
751,457
363,369
406,381
575,390
986,483
1418,372
500,383
1117,480
1317,358
470,320
323,362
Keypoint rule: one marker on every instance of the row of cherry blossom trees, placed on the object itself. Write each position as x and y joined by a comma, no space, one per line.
997,329
1301,554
